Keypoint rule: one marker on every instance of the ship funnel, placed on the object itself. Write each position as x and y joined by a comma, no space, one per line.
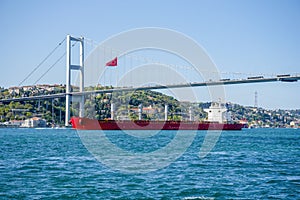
112,111
191,113
140,111
166,112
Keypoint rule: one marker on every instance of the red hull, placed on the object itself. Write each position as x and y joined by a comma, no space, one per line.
93,124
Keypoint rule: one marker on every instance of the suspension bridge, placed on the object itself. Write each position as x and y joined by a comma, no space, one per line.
80,95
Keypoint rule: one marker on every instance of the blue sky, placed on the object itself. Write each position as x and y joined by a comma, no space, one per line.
240,36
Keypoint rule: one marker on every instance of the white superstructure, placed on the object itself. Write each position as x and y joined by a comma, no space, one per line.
217,112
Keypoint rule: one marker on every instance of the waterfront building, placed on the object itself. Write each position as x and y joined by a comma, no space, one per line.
34,123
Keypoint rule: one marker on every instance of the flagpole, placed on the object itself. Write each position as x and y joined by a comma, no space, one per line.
104,67
111,55
117,77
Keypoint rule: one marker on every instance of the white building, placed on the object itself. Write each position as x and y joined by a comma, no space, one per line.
14,90
217,112
14,123
34,123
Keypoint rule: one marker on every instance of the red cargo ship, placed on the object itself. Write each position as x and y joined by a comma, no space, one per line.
93,124
218,119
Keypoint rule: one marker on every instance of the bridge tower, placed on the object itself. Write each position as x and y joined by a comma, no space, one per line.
80,68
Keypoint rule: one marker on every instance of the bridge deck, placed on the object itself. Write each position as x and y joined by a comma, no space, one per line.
259,79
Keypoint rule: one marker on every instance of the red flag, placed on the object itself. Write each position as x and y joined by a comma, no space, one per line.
113,62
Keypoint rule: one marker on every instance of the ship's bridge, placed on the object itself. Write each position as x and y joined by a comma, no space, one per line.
217,112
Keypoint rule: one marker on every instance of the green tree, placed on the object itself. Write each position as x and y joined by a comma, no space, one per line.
28,114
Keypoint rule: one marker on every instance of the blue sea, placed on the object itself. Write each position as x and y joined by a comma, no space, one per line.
58,164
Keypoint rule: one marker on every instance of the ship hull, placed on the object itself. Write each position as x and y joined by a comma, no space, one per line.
93,124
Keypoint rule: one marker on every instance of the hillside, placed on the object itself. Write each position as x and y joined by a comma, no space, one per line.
96,105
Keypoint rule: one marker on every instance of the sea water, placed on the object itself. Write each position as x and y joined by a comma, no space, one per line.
55,164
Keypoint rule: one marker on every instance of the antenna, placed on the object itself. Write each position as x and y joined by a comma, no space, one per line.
255,99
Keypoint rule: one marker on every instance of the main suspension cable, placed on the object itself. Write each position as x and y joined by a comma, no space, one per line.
40,64
59,59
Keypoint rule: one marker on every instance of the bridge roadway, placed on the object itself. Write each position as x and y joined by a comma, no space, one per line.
257,79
